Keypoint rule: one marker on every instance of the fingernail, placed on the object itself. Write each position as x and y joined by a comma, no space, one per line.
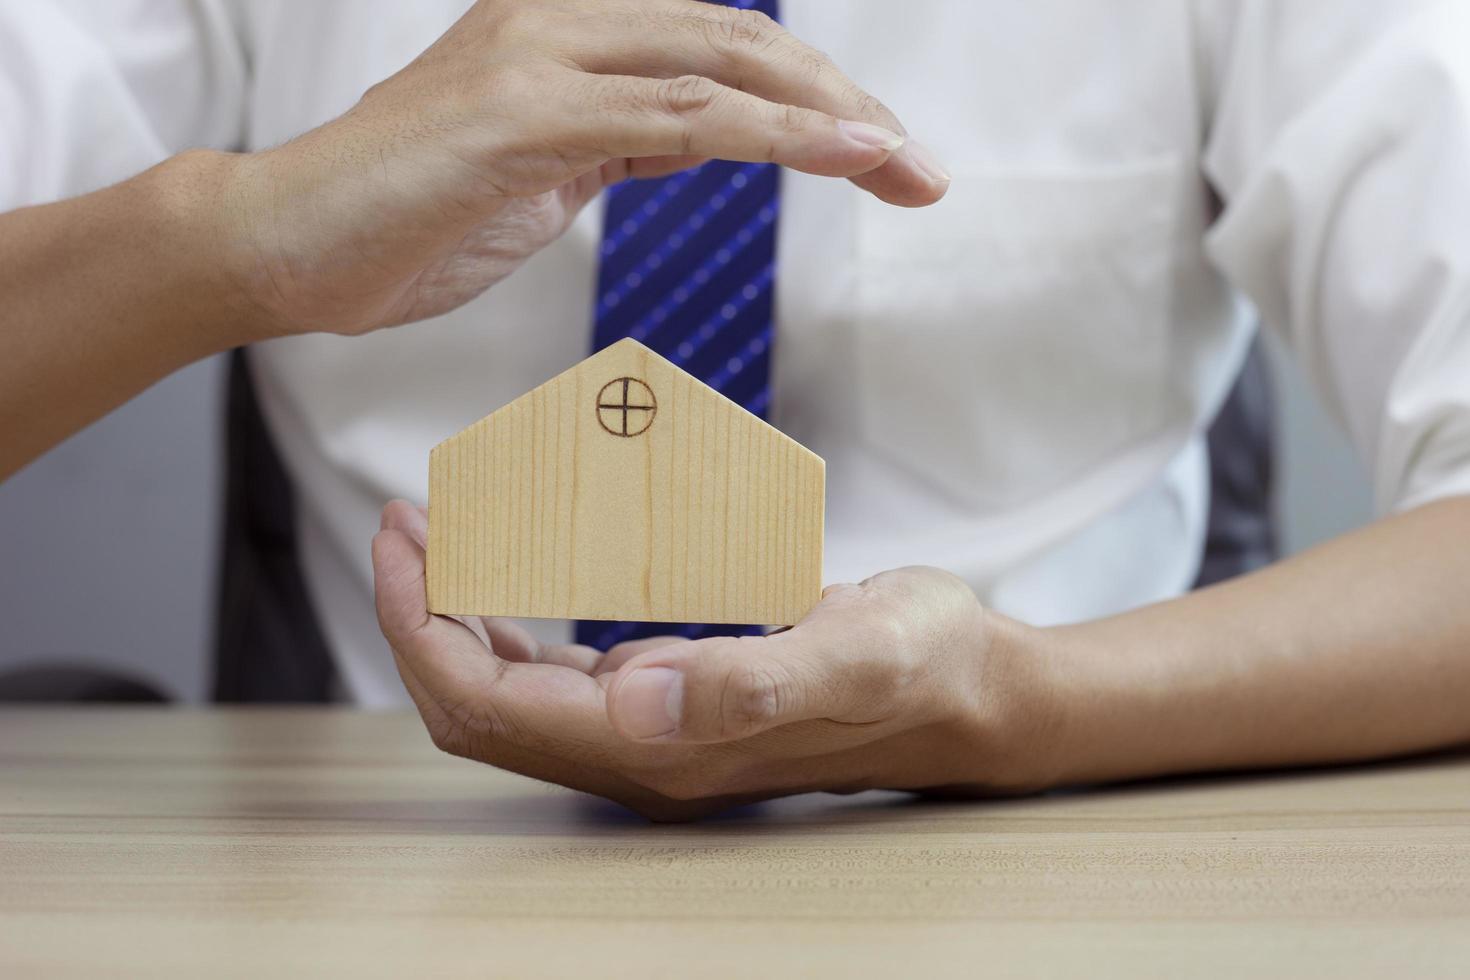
926,161
649,702
870,135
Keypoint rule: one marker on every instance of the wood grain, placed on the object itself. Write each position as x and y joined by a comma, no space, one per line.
702,513
308,841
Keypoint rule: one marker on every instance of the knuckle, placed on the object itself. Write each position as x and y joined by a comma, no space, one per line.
871,107
517,20
820,64
750,700
820,71
912,615
687,95
756,20
746,29
956,600
792,119
886,629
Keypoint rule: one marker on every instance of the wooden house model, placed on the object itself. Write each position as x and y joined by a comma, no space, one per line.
625,489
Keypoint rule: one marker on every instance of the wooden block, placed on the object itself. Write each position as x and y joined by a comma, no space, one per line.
625,489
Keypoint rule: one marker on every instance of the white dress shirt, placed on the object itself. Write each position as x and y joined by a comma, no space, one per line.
1011,384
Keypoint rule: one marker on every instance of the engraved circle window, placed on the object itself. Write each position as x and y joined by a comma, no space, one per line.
626,407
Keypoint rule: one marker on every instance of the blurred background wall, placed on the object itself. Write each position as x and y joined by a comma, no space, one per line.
108,543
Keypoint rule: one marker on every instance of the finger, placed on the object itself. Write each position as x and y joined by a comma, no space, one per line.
578,657
437,657
520,703
747,50
507,640
691,115
453,658
913,177
644,168
538,720
623,652
839,663
409,518
620,169
513,642
576,194
413,520
510,640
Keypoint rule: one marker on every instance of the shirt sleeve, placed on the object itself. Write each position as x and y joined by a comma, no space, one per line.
1340,146
91,93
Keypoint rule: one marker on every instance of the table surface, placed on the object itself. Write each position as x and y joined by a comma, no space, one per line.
279,841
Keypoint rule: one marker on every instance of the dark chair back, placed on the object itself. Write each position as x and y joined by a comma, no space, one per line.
268,644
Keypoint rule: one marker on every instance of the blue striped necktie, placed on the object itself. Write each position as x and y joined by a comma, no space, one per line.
687,267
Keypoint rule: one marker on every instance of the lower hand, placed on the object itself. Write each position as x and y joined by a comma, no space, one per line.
902,682
448,175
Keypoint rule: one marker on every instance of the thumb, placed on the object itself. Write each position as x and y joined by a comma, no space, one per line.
727,688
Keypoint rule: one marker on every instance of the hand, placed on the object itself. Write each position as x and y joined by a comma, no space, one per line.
448,175
902,682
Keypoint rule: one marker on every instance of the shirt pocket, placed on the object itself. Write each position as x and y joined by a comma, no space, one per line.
1016,334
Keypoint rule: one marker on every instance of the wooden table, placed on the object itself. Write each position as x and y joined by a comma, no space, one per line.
272,842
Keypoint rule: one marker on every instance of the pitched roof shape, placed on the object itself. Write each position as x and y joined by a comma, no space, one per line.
626,489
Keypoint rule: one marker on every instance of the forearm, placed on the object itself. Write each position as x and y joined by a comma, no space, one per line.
440,182
1357,649
102,295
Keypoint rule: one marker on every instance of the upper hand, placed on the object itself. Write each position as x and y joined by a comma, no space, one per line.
448,175
902,682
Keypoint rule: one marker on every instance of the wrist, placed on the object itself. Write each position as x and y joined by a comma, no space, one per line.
1021,716
1106,704
200,213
